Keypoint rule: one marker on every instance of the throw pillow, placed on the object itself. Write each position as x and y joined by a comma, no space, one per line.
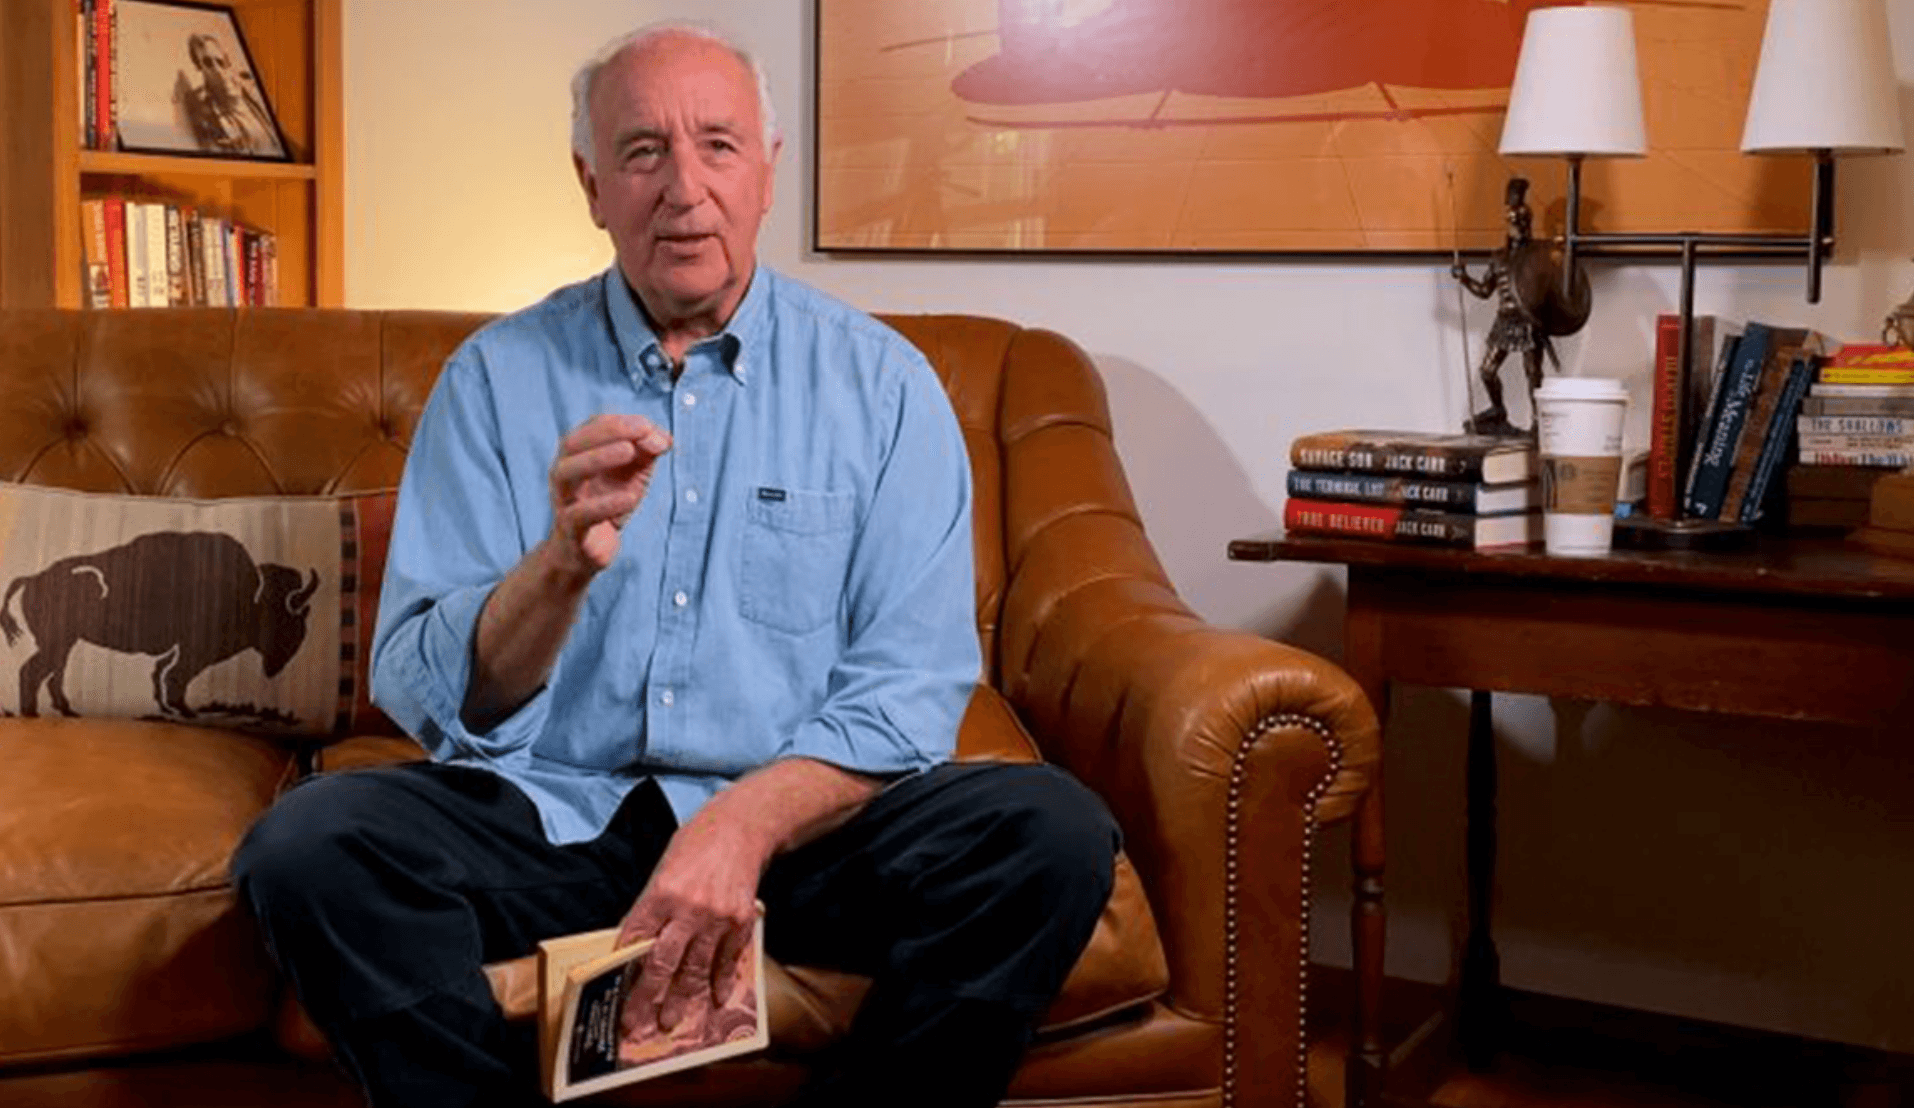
251,612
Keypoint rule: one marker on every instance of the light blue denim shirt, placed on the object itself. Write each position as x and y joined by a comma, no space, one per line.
797,582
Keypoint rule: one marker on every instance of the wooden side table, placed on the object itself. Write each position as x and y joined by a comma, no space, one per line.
1793,629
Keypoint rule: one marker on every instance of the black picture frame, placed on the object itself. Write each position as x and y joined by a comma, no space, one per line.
187,85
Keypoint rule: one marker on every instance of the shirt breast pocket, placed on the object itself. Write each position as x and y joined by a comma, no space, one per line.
797,547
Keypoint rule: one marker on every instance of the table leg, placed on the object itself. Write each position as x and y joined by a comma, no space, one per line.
1479,1003
1367,1063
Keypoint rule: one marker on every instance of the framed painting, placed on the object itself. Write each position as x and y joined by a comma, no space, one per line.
1310,127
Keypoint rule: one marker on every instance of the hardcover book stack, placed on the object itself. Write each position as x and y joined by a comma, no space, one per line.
1856,425
1469,491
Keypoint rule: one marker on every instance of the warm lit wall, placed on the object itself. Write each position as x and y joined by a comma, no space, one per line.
1723,869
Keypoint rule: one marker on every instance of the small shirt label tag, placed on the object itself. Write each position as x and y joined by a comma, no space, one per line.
766,493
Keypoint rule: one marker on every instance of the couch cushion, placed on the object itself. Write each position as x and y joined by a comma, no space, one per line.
279,595
118,929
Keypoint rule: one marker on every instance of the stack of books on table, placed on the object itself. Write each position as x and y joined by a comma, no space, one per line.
1855,426
1470,491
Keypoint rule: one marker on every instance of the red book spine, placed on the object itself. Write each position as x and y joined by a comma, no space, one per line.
1664,435
116,250
104,117
1374,521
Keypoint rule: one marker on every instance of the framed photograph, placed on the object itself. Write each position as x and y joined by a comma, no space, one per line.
188,86
1254,127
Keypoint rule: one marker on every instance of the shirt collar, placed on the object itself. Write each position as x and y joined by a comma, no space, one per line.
748,331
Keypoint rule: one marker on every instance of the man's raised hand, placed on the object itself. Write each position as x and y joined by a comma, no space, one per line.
598,480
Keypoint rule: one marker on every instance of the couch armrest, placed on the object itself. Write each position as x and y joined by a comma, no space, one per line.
1220,753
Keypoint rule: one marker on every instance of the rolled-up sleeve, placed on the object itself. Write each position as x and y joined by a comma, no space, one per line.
455,536
899,688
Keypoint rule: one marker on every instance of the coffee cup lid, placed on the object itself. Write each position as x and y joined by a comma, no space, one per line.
1581,388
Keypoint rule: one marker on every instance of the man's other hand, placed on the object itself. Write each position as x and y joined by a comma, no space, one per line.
600,476
700,906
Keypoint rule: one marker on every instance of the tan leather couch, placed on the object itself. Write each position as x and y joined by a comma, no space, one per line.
129,977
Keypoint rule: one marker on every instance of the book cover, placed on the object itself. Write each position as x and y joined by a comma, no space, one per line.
176,295
1395,523
1879,459
1483,458
1868,375
1780,433
98,277
1711,414
1854,440
1715,461
1770,414
1868,355
1666,400
1455,496
1858,405
583,983
116,251
1875,392
1855,424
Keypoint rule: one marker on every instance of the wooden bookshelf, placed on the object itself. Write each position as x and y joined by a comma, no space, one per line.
44,171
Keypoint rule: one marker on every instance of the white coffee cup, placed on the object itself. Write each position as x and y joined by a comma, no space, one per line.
1579,431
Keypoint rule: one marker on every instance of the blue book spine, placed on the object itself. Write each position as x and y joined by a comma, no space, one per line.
1780,434
1715,459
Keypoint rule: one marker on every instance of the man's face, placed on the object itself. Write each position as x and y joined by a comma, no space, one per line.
683,179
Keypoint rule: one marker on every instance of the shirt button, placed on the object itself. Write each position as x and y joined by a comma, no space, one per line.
691,400
680,599
691,496
665,698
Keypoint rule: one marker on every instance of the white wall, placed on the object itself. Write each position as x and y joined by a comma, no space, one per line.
1723,869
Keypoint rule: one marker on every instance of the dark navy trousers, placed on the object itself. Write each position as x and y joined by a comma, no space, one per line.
966,893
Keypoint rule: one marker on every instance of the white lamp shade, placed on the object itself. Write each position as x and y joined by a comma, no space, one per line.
1825,81
1576,90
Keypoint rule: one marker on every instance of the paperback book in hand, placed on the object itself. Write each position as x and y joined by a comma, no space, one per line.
583,985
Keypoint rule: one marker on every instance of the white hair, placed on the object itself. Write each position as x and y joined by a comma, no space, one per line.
588,74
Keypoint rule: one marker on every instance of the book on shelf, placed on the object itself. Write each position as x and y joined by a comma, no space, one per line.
1858,405
1676,407
1869,424
1867,376
584,980
97,276
1880,459
1872,355
1760,362
1857,440
1776,434
1485,458
1398,523
1871,392
1453,496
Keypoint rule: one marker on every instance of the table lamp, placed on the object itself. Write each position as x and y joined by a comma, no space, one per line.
1824,85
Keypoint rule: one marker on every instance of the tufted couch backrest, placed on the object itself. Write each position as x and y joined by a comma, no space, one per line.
213,403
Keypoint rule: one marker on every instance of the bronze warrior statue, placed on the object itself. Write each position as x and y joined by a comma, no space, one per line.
1531,306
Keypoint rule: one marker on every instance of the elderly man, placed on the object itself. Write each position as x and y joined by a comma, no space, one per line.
680,600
